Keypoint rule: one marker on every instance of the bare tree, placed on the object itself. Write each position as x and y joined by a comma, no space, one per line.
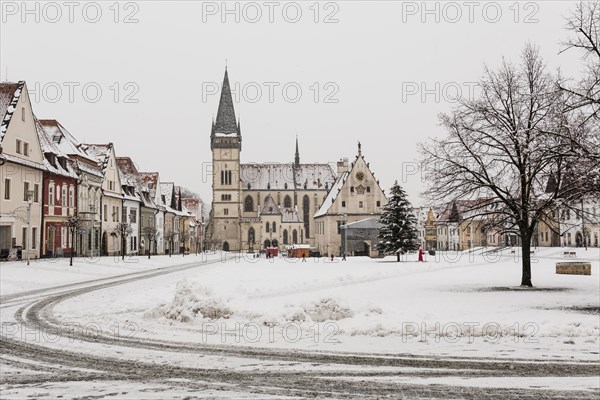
183,238
151,234
502,148
74,224
170,239
123,230
584,28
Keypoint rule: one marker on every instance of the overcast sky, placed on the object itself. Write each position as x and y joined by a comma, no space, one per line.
361,69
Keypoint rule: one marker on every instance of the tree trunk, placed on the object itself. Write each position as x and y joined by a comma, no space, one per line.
526,257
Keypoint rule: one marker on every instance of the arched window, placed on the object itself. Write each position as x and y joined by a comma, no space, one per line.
306,214
267,243
287,201
294,237
285,236
225,245
248,203
274,227
251,236
274,243
267,227
301,236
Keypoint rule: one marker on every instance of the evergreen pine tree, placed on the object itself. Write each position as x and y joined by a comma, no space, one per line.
399,230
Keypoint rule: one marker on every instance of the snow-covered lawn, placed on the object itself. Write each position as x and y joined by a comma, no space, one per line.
454,304
16,276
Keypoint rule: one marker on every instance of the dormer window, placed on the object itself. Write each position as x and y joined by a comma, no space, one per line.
56,138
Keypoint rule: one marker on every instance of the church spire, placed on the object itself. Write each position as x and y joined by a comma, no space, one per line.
226,122
297,157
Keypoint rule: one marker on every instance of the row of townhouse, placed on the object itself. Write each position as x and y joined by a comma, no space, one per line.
455,226
58,195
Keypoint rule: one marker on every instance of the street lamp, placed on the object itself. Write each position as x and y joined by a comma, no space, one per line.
93,217
345,233
27,237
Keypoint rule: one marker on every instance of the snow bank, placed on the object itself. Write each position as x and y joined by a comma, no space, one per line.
193,301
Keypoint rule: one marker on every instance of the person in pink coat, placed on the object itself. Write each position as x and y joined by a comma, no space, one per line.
421,252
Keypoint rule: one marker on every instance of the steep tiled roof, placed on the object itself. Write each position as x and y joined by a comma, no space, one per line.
9,96
226,122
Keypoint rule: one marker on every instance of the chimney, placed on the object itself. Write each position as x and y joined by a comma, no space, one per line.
340,167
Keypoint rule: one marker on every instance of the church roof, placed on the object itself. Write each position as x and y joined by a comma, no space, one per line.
287,176
226,121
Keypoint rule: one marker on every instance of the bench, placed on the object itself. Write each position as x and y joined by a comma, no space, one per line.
569,254
574,268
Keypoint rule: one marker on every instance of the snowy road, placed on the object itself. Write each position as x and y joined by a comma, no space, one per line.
42,355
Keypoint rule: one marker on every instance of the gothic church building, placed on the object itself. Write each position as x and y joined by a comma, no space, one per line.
255,206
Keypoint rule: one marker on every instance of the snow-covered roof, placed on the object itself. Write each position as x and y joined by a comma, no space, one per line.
9,97
101,152
65,140
277,176
166,190
288,214
52,153
367,223
332,195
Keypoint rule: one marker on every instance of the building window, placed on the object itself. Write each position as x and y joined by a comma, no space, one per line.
294,237
343,204
274,227
105,212
18,147
378,203
24,238
360,204
71,196
368,189
26,149
51,194
7,189
352,189
287,201
226,211
25,190
36,196
23,114
248,204
33,237
285,236
225,177
132,216
267,227
64,195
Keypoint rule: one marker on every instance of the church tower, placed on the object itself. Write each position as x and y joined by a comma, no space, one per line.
226,145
